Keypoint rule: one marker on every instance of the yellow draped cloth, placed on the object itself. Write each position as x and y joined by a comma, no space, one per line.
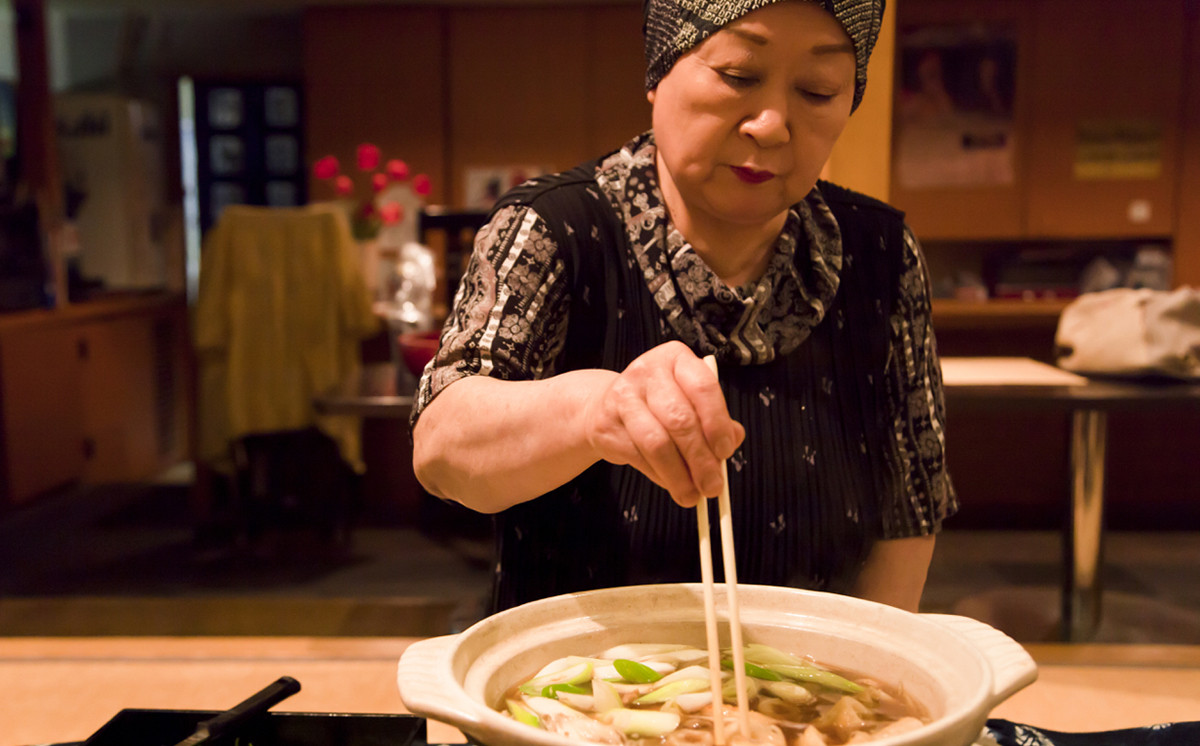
281,311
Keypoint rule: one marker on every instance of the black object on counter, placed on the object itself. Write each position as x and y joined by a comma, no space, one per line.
139,727
1006,733
246,710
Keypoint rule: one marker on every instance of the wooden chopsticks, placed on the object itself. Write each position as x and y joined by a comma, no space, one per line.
710,610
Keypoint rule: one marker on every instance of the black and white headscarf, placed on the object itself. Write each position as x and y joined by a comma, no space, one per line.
672,27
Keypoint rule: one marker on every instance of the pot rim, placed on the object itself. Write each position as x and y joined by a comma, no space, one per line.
469,661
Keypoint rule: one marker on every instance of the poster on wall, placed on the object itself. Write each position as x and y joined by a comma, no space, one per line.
954,106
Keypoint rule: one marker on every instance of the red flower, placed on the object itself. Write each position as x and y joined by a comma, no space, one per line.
326,168
365,216
397,169
391,213
368,157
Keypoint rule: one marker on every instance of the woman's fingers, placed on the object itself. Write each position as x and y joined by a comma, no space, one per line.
722,434
676,398
665,415
657,448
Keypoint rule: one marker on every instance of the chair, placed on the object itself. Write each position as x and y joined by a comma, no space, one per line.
457,229
279,318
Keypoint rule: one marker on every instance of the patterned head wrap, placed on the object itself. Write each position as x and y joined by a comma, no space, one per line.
672,27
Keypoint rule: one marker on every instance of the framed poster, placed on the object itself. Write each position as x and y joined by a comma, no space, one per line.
954,106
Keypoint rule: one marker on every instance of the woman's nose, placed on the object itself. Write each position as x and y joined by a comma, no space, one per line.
768,126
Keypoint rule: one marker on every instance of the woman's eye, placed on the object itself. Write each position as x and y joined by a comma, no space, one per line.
817,97
737,80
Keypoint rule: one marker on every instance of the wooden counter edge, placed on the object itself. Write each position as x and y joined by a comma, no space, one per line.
1115,655
191,648
996,314
391,648
93,310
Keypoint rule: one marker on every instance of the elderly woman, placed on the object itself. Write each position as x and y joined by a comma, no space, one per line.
569,396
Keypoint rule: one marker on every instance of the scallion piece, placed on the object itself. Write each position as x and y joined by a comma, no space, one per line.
638,673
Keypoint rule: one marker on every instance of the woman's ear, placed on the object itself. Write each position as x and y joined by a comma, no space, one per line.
650,95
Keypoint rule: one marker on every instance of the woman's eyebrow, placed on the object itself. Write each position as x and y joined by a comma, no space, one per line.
759,40
749,36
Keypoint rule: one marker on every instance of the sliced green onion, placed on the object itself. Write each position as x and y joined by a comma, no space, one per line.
605,696
790,692
757,672
576,674
765,655
638,673
523,714
814,675
552,690
643,723
673,690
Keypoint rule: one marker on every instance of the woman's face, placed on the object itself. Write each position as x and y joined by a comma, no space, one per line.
746,119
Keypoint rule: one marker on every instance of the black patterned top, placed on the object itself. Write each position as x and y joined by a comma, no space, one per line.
829,361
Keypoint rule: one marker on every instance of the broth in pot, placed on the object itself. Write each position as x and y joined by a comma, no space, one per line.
660,695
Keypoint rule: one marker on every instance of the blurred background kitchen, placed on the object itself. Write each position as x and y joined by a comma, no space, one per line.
1041,149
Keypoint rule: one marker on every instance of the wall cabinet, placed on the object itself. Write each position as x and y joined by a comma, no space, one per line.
43,431
376,73
452,88
1090,138
94,393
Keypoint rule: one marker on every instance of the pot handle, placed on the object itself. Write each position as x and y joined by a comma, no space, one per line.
427,684
1013,668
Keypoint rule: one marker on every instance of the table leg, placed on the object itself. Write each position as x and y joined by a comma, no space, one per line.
1081,601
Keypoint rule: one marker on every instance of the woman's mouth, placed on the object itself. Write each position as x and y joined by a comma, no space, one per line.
752,175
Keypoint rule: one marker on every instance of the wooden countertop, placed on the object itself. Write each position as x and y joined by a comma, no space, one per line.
996,314
116,304
63,689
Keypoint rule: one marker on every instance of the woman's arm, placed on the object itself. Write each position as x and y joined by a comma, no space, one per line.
490,444
895,572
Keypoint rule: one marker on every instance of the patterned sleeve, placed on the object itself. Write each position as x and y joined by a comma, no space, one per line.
914,386
509,318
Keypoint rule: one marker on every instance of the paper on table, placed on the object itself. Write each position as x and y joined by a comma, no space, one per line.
1005,371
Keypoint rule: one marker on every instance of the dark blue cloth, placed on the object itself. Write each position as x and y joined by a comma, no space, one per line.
1007,733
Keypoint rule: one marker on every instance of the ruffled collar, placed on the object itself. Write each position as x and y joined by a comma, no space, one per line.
750,325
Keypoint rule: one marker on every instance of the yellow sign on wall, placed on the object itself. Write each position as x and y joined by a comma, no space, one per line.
1118,149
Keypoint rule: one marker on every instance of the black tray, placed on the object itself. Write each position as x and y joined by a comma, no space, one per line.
133,727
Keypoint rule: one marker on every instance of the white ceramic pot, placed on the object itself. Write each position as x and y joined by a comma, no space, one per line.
958,667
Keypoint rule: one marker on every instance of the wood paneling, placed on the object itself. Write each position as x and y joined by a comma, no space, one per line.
977,212
517,88
1107,64
1187,206
117,381
617,108
96,392
42,433
1120,63
375,74
451,88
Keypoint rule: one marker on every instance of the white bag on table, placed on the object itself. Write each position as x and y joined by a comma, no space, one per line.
1132,332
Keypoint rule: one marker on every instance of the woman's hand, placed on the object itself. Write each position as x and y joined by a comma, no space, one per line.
665,416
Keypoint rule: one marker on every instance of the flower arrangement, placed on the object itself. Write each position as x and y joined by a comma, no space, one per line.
388,181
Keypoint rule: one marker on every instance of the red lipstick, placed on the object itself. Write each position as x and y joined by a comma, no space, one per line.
752,176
